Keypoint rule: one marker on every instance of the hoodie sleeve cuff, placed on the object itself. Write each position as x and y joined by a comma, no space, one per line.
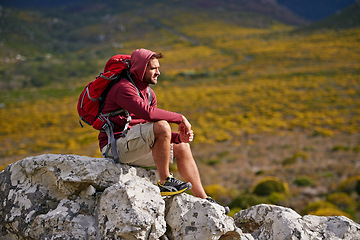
175,138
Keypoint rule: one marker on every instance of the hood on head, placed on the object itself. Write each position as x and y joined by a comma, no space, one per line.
139,61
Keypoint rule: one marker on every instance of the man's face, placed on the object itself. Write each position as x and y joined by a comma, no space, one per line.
152,71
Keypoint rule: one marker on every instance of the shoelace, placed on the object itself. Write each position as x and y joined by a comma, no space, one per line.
174,180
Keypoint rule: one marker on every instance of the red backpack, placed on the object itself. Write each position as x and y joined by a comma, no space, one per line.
93,96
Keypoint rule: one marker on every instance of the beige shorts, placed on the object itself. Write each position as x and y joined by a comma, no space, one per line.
136,147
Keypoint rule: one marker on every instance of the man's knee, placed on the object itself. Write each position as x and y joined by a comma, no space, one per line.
182,149
162,129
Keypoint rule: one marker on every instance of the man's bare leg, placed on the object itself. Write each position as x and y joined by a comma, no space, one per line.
188,169
182,152
161,149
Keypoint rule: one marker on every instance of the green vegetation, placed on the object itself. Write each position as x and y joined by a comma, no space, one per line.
298,156
218,192
303,181
324,208
343,201
264,98
314,206
246,200
350,185
268,186
329,212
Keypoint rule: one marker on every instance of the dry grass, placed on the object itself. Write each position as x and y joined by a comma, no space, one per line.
261,155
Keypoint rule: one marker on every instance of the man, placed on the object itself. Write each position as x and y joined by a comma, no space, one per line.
150,140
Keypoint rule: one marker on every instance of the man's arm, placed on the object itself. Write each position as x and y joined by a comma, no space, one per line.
127,98
186,134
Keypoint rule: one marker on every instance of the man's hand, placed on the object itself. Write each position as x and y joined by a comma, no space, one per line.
186,134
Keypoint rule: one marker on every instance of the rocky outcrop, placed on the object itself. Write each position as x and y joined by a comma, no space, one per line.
274,222
74,197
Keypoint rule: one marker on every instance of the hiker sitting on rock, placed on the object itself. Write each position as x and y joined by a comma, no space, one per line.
150,140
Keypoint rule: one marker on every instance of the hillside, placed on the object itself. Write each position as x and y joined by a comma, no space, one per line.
348,17
315,10
76,32
264,100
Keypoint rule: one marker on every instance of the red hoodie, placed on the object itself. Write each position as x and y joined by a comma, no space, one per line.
123,95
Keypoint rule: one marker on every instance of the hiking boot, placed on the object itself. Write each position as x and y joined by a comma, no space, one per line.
226,208
173,186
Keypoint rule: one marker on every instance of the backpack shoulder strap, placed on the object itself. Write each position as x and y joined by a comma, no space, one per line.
132,81
150,96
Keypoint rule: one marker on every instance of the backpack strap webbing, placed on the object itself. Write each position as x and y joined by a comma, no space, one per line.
109,128
150,96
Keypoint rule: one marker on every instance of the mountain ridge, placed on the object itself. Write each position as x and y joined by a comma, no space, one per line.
93,30
348,17
307,9
316,10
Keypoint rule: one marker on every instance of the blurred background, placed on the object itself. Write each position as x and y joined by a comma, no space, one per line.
271,88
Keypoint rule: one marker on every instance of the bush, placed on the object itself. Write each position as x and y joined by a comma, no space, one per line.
289,161
343,201
352,184
298,156
324,132
277,198
218,192
330,212
270,185
314,206
234,211
338,148
356,149
303,181
247,200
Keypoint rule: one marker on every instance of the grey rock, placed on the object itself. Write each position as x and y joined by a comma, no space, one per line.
274,222
75,197
189,217
132,209
55,196
33,189
64,219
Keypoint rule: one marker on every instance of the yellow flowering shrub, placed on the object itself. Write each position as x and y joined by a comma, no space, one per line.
233,82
